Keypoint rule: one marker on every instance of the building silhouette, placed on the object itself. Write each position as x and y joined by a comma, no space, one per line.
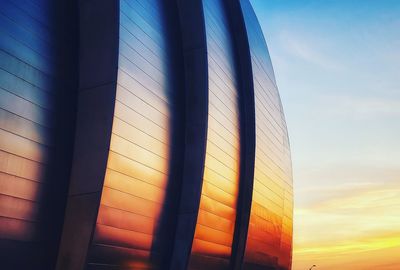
140,134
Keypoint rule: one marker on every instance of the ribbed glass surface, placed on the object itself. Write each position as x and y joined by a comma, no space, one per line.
269,238
216,219
137,169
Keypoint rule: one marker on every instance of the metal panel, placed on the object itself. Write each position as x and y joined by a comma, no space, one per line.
213,238
270,230
37,101
137,174
135,198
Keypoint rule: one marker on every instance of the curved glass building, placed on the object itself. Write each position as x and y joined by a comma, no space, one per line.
140,134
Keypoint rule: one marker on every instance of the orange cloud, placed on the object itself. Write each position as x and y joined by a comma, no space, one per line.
354,229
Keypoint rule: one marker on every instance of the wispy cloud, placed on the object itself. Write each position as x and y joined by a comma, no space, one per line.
363,218
362,106
308,49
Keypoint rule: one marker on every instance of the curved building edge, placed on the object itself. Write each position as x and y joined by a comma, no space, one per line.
141,135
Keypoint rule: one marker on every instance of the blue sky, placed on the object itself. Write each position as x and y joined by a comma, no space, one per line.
337,66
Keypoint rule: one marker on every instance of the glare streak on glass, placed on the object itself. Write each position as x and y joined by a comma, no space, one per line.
213,237
269,240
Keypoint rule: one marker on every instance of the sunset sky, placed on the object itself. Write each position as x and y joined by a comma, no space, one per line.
337,65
